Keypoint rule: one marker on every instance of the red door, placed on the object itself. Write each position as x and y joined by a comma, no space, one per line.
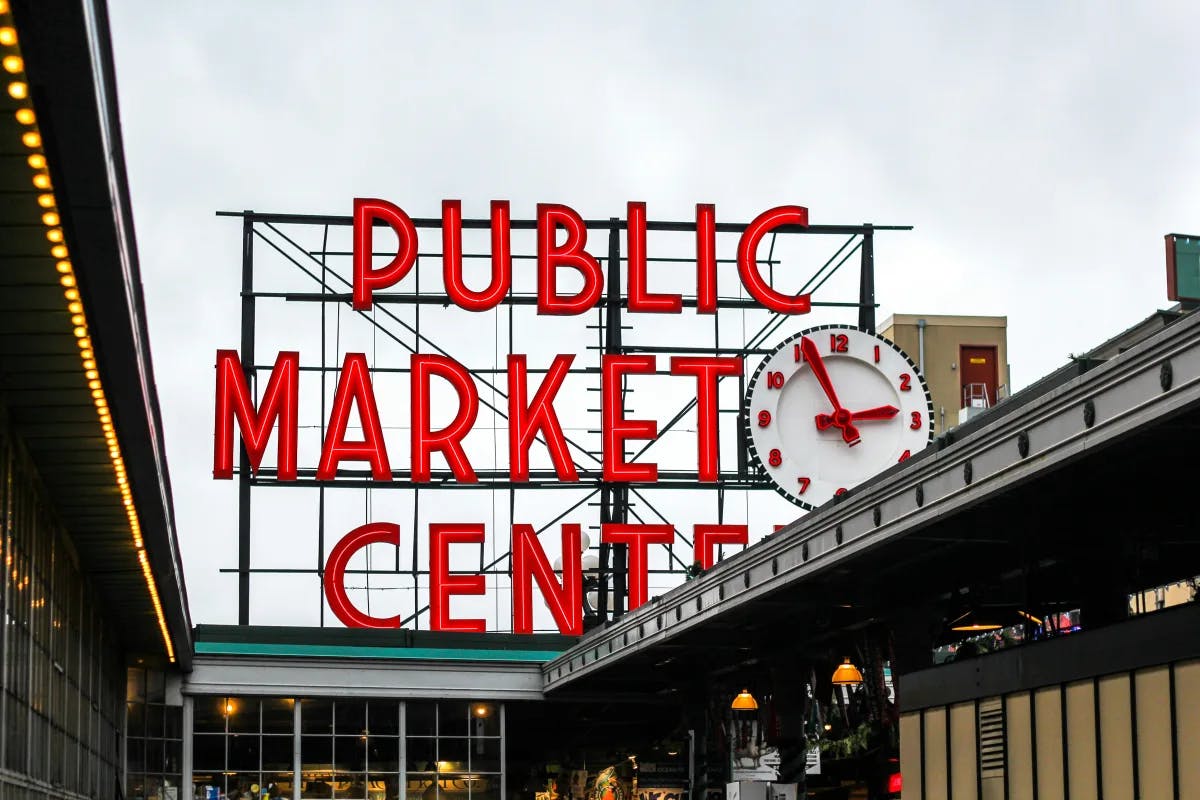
978,375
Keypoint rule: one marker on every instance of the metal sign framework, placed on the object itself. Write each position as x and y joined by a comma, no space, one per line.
283,234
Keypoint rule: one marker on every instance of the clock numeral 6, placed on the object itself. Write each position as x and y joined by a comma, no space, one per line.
764,418
804,484
774,380
838,343
905,382
916,421
775,458
840,491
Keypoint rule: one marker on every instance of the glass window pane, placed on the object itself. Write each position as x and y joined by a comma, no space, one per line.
452,718
207,785
155,686
316,753
173,718
278,785
277,753
243,714
485,719
421,755
316,783
383,753
485,755
208,752
154,755
452,754
154,721
349,717
135,684
172,756
350,754
420,718
383,787
244,783
210,714
137,755
277,715
316,716
350,787
383,718
136,719
243,751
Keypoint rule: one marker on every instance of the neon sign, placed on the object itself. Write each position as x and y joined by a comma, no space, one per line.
561,236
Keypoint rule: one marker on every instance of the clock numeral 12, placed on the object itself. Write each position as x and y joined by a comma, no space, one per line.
774,380
796,354
839,343
876,354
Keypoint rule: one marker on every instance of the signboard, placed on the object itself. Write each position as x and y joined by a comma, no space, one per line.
416,421
1183,267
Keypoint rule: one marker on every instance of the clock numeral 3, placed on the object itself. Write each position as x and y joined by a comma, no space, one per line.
905,456
839,343
905,382
916,421
804,484
775,458
774,380
764,419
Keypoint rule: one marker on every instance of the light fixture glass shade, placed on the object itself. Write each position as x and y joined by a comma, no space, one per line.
974,622
744,702
847,675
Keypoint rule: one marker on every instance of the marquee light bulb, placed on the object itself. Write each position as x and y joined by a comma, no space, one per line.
37,161
18,90
13,64
59,251
46,200
32,139
41,180
63,266
8,36
25,116
50,218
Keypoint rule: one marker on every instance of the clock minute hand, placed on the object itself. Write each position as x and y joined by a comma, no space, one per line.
840,417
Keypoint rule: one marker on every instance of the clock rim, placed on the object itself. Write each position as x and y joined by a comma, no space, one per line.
757,461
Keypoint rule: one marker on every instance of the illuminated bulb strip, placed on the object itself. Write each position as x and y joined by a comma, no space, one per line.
18,89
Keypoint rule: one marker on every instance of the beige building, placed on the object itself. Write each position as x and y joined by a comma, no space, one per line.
964,360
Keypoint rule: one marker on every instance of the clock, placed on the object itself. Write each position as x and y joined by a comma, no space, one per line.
831,407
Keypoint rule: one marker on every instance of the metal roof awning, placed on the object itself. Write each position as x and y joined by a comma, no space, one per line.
67,67
1068,476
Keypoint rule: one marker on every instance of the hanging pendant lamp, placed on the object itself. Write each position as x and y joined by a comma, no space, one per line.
847,675
744,702
974,622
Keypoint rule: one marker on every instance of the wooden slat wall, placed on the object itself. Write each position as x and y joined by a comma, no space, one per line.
1117,737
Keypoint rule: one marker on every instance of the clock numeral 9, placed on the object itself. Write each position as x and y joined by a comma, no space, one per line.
839,343
916,421
775,458
804,484
774,380
905,382
764,418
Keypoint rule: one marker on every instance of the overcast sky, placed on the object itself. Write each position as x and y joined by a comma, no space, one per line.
1040,150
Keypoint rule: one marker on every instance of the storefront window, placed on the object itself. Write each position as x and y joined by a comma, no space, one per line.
154,740
243,749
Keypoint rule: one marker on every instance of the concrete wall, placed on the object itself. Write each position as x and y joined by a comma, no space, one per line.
943,336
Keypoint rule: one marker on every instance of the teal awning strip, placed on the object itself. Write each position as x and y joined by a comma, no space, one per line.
350,651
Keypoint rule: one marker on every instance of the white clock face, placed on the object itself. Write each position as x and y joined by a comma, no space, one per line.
833,406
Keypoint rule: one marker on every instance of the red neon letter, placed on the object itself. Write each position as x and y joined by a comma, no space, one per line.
639,298
442,584
452,261
707,370
570,254
366,279
706,259
335,574
449,439
278,404
708,536
639,538
759,289
617,429
529,562
354,386
525,422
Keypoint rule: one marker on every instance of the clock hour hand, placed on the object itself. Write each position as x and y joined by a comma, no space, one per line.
880,412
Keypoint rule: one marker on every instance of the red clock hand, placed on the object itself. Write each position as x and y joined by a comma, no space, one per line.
840,417
881,412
